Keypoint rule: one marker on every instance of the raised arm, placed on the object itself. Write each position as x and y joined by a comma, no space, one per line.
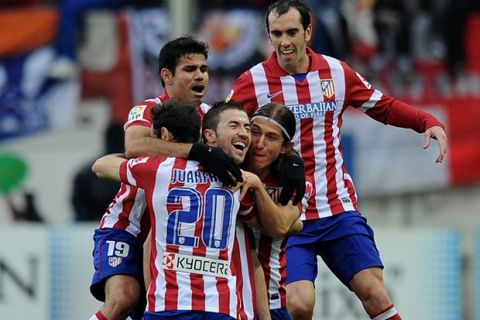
140,142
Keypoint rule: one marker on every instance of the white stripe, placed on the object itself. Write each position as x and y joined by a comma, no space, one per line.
261,85
374,98
387,314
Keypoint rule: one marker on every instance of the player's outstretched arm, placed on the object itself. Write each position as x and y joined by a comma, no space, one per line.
108,166
436,132
139,142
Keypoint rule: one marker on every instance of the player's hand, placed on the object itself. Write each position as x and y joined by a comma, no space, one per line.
216,161
439,134
292,179
250,182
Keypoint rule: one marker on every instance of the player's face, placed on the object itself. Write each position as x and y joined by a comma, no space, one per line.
190,80
267,145
289,40
233,134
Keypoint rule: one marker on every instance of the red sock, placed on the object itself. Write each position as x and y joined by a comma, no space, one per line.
98,316
389,313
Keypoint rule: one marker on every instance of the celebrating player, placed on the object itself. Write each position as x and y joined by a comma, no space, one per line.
318,89
193,214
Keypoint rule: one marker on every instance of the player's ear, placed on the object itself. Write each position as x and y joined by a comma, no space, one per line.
308,33
209,136
286,147
166,135
166,76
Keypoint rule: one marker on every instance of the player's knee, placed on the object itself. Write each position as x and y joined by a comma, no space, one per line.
374,294
124,301
299,308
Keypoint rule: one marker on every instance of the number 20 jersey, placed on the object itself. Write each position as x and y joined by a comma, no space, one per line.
193,222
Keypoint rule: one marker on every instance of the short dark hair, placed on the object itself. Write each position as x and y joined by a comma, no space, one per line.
282,115
175,49
212,117
181,118
282,6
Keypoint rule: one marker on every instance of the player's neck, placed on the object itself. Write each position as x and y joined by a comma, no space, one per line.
301,67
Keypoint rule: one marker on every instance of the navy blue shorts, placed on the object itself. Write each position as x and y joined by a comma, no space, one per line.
116,252
186,315
280,314
345,242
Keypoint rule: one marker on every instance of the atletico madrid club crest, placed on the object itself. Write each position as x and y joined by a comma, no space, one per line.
114,261
328,88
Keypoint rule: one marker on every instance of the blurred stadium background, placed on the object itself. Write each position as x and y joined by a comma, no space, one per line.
51,127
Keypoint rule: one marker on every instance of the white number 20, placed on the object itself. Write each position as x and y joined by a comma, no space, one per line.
117,248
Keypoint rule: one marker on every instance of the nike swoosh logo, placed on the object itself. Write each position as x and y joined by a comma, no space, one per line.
273,95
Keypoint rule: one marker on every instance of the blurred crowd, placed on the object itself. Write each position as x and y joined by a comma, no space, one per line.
376,35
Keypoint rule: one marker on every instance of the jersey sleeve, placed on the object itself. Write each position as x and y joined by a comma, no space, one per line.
383,108
244,92
135,172
247,211
140,115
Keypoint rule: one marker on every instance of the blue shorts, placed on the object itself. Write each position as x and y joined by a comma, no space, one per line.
280,314
345,242
186,315
116,252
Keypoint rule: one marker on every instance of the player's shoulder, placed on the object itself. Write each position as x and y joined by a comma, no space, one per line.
143,108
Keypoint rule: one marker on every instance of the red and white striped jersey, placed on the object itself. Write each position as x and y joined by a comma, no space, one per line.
243,269
318,102
193,221
271,251
128,207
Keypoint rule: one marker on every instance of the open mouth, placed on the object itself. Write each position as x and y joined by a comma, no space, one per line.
198,88
239,145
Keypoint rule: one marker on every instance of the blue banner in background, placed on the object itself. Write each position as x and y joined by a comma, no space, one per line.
29,100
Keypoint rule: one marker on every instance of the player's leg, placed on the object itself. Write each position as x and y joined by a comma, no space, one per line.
122,293
354,258
118,272
301,274
369,287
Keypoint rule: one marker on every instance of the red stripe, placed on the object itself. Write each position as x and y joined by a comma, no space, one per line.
264,252
236,270
100,316
153,270
250,268
331,171
306,144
